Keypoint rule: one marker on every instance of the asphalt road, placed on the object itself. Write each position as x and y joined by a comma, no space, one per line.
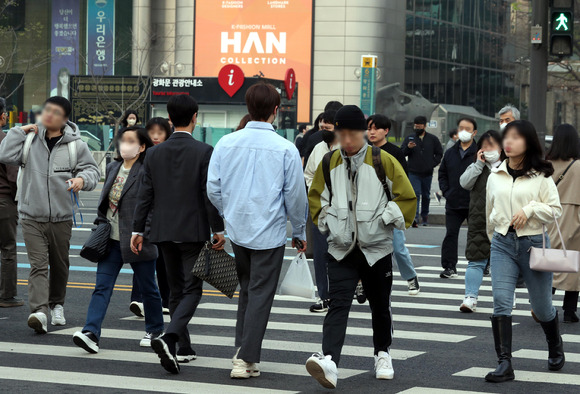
436,348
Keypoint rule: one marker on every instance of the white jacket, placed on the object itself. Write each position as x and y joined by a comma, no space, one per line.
535,194
314,160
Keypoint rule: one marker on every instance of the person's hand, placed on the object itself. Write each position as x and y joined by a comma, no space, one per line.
480,156
300,250
218,242
76,184
29,128
136,243
519,220
411,145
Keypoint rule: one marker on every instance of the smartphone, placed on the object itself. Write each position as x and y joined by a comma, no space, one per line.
411,139
298,243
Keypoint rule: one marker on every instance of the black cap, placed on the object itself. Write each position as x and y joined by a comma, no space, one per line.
350,117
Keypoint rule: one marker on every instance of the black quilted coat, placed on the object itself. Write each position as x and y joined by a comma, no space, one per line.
478,245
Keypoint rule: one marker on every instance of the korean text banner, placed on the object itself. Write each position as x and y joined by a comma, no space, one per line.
64,45
262,37
100,37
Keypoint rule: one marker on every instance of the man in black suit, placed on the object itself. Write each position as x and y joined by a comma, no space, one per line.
173,185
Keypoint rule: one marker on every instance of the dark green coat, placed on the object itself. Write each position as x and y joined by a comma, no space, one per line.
478,245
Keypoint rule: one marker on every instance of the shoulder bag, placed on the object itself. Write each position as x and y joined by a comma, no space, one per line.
96,248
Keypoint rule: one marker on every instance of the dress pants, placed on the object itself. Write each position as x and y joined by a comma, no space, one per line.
8,268
454,218
47,245
377,281
258,272
185,288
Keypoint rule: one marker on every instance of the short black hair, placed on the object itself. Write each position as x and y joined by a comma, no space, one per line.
380,121
420,120
468,119
565,143
143,137
301,127
161,122
452,133
328,116
262,99
61,102
333,106
126,115
181,110
2,105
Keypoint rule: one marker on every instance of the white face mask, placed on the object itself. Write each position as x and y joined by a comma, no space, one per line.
464,136
491,156
128,150
502,126
131,122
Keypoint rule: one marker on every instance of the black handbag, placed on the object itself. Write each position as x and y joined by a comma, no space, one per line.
96,248
217,268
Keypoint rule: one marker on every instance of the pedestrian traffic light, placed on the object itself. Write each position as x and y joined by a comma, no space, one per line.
562,28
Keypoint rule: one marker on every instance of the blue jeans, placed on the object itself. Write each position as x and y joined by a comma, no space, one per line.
474,277
510,258
321,258
401,255
422,187
107,272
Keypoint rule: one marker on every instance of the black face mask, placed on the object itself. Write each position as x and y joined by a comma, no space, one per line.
328,136
419,131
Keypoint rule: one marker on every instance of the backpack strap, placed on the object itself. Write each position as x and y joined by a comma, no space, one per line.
564,173
326,173
26,148
380,170
72,155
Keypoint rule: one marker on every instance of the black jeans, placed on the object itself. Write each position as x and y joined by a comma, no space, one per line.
185,288
377,282
453,220
161,282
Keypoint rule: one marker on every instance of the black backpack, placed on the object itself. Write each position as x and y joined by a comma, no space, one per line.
377,164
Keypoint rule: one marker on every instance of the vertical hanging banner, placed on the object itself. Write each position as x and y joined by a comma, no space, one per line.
367,84
64,45
100,37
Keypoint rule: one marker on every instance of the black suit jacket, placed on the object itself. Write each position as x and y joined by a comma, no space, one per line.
173,185
126,209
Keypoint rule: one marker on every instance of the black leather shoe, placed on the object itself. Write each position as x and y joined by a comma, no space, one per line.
556,358
502,336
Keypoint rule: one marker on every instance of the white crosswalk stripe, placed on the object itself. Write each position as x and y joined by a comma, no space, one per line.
527,376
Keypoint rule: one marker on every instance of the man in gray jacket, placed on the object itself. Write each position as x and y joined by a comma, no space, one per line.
52,175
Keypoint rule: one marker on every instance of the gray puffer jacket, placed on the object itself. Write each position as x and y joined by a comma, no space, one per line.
44,197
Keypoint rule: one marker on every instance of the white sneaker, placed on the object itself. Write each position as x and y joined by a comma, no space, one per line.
243,370
86,340
384,366
137,309
146,341
323,369
38,322
57,316
469,305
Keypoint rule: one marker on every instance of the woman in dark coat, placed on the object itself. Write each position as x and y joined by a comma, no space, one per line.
117,205
489,155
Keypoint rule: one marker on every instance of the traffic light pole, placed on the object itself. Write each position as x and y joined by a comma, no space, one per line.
539,69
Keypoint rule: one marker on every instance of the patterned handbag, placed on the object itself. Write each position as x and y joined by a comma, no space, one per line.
217,268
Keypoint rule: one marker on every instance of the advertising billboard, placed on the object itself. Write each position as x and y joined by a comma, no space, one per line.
64,45
101,37
263,37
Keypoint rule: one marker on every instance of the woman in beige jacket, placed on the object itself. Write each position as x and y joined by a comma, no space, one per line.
563,154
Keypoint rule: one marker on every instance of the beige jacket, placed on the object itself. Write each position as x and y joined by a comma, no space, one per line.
535,194
314,160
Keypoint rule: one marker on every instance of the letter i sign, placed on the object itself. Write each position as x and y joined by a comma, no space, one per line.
231,79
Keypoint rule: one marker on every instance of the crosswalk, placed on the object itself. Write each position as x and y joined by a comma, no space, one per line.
431,338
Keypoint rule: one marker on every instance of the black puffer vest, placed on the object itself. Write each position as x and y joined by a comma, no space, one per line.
478,245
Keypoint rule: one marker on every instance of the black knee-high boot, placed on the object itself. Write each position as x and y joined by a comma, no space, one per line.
556,357
502,336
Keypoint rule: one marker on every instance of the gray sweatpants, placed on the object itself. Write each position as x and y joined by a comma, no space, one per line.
47,244
258,272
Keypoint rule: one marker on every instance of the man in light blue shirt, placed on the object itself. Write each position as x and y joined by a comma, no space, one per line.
255,180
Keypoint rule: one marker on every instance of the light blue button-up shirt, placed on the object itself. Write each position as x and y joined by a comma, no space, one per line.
255,180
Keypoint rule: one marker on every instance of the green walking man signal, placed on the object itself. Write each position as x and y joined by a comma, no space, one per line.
562,28
562,22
